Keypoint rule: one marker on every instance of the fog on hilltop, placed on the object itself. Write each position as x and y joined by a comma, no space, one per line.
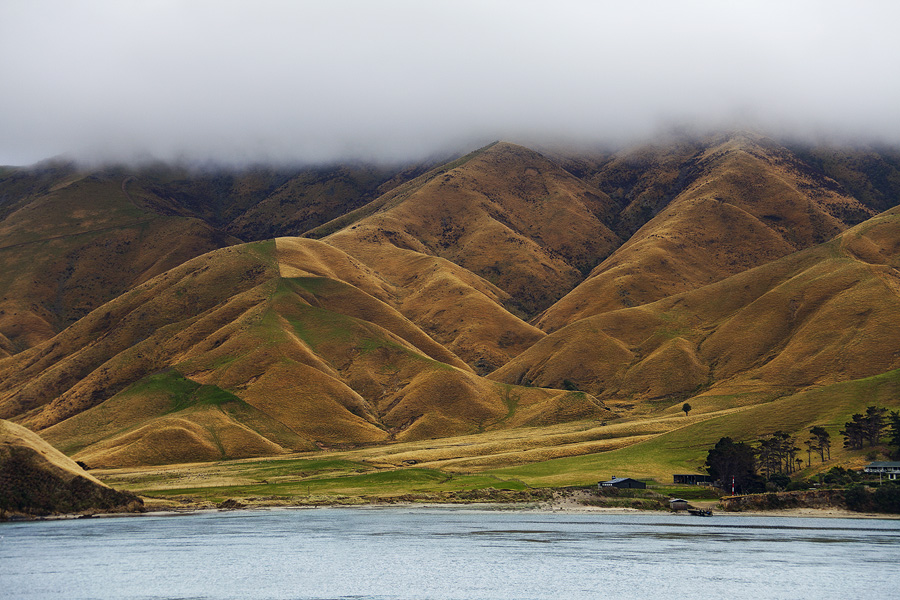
311,82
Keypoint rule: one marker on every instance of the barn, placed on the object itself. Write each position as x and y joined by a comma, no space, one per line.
623,483
691,479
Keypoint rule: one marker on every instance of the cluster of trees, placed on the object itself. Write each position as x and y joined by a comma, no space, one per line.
820,441
734,464
871,427
778,454
775,458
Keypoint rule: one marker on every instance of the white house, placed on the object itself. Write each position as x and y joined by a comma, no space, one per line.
885,468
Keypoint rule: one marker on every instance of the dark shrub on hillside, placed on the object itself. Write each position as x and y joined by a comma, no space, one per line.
886,498
780,480
858,498
26,489
797,486
841,476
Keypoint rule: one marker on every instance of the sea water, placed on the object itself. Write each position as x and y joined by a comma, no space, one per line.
448,553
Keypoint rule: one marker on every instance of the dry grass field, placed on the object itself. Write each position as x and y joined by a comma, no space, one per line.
577,453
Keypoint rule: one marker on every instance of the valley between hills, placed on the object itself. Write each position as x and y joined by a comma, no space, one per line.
507,319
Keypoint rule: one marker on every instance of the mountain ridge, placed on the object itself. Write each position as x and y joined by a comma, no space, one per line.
493,292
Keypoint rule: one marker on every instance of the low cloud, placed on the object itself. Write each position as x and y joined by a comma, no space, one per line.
390,80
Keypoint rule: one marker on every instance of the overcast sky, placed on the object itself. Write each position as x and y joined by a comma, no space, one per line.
263,80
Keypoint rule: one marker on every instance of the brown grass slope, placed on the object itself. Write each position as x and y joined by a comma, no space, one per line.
741,202
315,196
255,350
260,202
826,314
500,231
38,479
507,214
72,243
133,335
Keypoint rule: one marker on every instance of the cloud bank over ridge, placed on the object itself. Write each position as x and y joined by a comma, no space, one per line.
316,81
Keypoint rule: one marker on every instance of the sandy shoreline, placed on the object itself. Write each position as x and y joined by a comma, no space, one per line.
561,503
812,513
564,506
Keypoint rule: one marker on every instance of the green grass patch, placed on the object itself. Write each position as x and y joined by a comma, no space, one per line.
317,326
684,450
182,392
205,395
168,381
264,250
302,468
317,286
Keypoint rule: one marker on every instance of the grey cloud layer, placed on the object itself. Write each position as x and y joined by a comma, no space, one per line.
322,80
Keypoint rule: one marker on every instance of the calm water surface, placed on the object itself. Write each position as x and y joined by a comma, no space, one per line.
448,553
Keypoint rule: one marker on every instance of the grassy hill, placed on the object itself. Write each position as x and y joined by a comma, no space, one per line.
815,317
252,350
70,244
37,479
506,214
73,238
578,453
497,318
740,203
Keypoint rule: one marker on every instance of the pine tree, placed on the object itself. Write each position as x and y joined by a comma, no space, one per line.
823,441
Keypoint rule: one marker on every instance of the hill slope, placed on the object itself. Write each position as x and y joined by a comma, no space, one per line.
70,242
38,479
741,202
726,271
823,315
525,228
251,350
506,214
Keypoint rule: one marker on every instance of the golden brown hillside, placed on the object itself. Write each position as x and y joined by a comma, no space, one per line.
73,238
38,479
475,245
506,214
252,350
827,314
82,240
741,281
744,203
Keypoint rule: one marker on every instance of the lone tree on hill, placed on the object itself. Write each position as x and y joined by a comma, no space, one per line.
686,408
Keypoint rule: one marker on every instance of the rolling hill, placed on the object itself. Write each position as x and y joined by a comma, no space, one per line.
72,238
815,317
740,203
38,479
257,349
70,242
504,291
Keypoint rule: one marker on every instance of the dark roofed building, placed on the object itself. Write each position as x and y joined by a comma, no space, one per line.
691,479
623,483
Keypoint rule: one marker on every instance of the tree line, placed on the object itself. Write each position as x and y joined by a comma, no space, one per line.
776,457
871,427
